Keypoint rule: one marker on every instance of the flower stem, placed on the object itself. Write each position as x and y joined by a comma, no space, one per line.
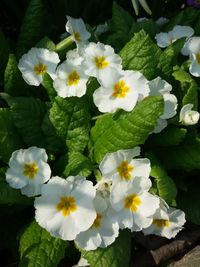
64,43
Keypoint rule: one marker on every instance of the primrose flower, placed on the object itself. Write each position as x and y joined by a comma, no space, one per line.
104,229
82,263
74,57
165,39
167,222
162,21
28,170
189,116
101,61
133,204
192,48
35,63
77,29
121,166
71,79
65,207
122,90
161,87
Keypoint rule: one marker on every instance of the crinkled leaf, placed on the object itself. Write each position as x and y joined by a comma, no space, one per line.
170,136
169,58
9,137
166,186
4,53
8,195
39,249
28,114
78,164
141,54
71,120
34,26
127,130
14,84
115,255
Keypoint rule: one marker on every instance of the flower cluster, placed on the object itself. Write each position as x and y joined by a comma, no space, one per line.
75,209
119,89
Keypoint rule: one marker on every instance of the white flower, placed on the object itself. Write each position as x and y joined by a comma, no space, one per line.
165,39
28,170
161,21
103,231
189,116
65,207
192,48
74,57
101,61
77,29
142,19
161,87
121,167
167,222
36,62
121,90
134,205
71,79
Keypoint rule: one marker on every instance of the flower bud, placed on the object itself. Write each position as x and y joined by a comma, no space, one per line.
189,116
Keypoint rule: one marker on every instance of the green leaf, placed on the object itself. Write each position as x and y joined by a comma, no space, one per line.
14,83
168,58
34,26
183,157
54,143
4,53
115,255
71,120
48,85
149,26
46,43
170,136
188,86
166,186
39,249
8,195
141,54
9,137
120,26
78,164
127,130
28,114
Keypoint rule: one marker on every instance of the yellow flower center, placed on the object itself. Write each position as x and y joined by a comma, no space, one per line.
73,78
120,89
161,223
97,221
101,62
40,69
77,36
132,202
124,170
66,205
30,170
198,58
